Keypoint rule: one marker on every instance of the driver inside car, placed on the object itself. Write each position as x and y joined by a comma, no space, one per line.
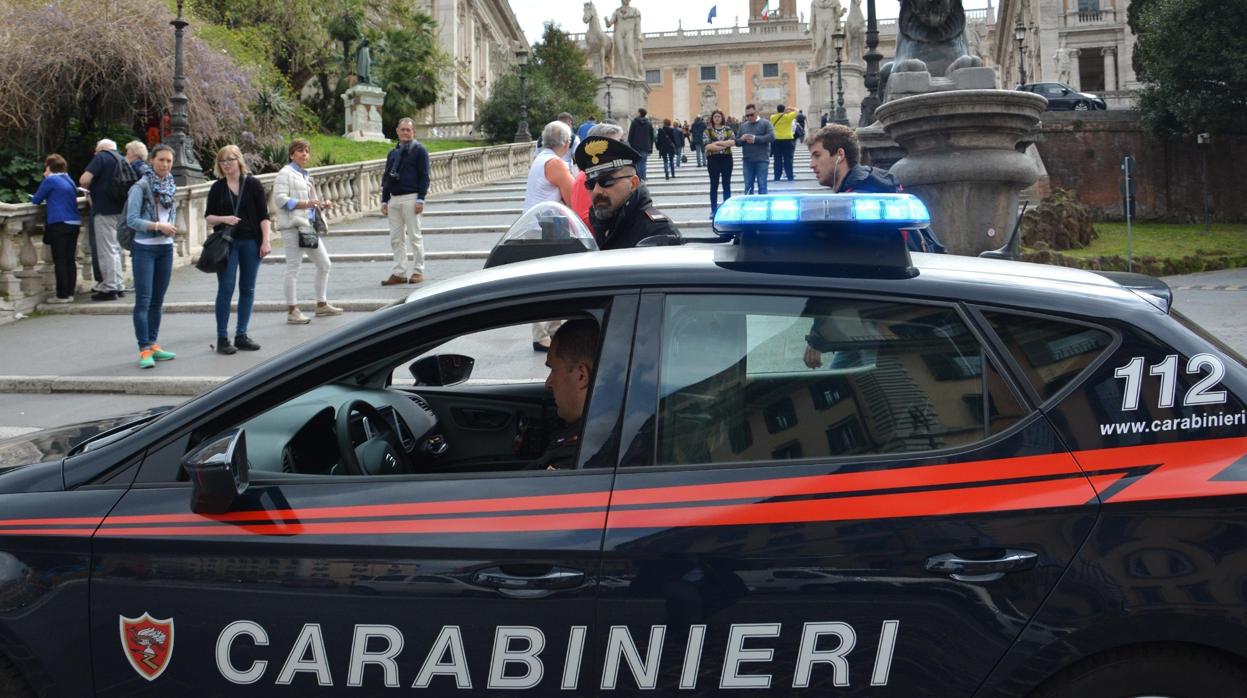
573,350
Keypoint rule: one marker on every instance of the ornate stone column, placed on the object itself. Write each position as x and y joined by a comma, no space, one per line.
1110,68
736,98
679,92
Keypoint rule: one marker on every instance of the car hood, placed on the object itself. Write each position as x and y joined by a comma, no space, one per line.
57,442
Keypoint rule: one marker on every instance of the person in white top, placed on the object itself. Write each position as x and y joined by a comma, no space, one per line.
549,179
294,198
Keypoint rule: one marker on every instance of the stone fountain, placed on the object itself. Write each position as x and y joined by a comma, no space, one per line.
963,140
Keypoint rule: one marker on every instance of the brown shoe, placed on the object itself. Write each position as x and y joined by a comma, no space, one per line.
394,281
416,278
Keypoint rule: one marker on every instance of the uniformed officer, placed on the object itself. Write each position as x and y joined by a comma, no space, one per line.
573,351
622,213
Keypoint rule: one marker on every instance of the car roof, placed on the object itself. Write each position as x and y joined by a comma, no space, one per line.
947,277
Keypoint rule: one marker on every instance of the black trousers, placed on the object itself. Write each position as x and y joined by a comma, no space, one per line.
720,168
63,239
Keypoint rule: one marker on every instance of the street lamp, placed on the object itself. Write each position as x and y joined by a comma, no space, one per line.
522,134
837,40
608,98
186,169
1019,35
872,57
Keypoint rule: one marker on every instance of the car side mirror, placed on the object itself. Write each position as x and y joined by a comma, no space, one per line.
218,472
442,369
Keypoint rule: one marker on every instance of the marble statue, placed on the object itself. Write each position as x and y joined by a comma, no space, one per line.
627,40
1065,65
930,38
855,33
595,40
709,100
363,62
976,38
824,21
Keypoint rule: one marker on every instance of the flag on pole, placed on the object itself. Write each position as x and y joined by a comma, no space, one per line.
714,12
766,11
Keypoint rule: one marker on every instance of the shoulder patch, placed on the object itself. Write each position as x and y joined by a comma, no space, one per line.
655,215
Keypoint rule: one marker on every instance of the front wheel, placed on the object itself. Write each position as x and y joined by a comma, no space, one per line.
1082,106
1159,670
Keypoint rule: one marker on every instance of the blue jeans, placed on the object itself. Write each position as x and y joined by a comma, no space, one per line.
242,267
668,164
755,171
700,150
640,166
720,167
153,267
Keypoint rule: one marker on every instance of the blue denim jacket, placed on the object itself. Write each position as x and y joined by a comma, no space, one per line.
141,210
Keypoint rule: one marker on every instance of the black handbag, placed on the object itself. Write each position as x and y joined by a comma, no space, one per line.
215,255
318,221
308,240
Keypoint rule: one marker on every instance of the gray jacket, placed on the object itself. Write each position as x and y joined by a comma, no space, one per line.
760,149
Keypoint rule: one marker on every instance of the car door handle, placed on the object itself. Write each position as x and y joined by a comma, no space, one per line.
533,582
988,570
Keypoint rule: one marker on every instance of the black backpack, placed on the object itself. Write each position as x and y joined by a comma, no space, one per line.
123,177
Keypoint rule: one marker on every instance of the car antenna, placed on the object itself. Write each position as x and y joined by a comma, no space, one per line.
1013,247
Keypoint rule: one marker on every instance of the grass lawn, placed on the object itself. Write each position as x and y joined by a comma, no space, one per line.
1167,240
340,151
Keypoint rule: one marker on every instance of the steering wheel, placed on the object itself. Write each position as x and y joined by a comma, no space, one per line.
381,454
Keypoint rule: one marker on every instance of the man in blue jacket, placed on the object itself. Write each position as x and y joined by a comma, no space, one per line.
755,137
403,188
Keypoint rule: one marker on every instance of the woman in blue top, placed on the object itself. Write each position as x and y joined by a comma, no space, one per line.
150,212
60,230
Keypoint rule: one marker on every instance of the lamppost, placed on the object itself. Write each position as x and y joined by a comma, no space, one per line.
872,57
608,98
186,169
1019,34
522,134
837,40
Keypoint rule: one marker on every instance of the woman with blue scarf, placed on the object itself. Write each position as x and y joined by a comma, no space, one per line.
150,212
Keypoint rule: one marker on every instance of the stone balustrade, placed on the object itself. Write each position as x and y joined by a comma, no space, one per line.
27,277
453,129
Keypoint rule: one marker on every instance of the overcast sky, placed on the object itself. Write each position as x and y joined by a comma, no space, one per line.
663,15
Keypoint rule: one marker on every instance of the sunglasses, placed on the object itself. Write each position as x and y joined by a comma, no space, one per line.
606,182
225,160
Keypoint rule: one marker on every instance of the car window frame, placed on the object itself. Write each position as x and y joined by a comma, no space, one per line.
1019,376
165,456
640,429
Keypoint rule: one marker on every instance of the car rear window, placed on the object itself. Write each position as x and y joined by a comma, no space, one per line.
1051,353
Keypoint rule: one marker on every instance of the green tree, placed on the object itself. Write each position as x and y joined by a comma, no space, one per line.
409,66
557,80
1190,54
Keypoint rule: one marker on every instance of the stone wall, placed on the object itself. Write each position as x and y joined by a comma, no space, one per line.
1082,152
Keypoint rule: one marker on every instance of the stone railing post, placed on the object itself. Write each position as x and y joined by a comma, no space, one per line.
10,285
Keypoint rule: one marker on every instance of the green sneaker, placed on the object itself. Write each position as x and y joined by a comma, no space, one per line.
146,360
162,355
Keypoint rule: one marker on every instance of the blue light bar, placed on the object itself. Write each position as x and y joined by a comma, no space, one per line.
787,212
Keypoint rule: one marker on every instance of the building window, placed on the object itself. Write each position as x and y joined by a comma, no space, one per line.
709,73
780,415
770,70
653,77
1088,5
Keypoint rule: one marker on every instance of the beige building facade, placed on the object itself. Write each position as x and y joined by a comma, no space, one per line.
765,61
481,37
1085,44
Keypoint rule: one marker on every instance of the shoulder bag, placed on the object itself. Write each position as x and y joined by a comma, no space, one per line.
312,240
215,255
125,234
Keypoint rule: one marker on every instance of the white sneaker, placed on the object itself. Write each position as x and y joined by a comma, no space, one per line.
59,301
296,317
326,309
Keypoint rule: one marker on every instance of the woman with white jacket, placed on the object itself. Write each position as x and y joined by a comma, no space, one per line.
292,197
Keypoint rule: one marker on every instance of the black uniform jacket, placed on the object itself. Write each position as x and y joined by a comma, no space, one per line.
635,220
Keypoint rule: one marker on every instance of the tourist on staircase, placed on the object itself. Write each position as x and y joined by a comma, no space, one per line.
404,184
665,143
297,204
719,142
237,200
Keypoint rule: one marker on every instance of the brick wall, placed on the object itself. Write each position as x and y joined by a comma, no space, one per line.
1082,152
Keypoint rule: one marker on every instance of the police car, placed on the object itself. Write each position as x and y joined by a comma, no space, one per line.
810,463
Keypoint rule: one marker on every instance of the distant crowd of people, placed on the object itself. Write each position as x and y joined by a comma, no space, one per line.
133,208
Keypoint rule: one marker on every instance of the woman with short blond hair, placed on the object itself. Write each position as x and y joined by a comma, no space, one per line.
237,199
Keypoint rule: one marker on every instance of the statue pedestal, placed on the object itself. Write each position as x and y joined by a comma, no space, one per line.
620,97
962,159
878,149
823,95
363,113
